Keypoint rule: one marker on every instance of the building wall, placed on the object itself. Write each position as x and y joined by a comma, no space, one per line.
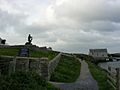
99,54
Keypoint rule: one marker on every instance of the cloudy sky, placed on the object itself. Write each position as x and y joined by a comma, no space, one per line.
64,25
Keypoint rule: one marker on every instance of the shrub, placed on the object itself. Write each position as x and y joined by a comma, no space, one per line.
24,81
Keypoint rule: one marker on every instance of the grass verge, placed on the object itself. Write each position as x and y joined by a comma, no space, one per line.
100,76
24,81
33,53
67,70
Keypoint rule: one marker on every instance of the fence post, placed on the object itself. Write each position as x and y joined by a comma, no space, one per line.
0,72
118,78
109,68
14,64
27,64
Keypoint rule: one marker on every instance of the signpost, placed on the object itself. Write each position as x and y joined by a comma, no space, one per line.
24,52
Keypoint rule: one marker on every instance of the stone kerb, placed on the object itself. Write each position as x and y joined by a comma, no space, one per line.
53,64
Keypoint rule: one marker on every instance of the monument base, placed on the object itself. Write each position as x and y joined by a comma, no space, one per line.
27,43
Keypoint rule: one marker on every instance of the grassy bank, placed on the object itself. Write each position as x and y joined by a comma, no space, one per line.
33,53
67,70
25,81
49,54
100,76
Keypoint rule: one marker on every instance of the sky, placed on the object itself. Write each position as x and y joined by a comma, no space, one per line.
64,25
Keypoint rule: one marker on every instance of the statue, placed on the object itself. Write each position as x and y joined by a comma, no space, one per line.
3,41
30,38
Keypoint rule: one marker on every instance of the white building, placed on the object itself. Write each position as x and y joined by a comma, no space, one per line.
98,54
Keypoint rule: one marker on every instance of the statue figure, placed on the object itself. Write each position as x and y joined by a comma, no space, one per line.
3,41
30,39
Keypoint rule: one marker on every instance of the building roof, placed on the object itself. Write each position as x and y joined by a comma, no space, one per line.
98,50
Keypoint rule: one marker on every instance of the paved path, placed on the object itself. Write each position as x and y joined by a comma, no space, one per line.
84,82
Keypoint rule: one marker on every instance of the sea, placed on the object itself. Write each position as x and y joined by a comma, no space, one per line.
113,65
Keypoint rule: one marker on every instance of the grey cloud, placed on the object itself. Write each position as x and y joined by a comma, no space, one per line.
16,22
9,20
101,26
87,11
34,29
96,15
82,41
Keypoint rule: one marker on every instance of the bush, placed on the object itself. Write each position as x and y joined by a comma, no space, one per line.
24,81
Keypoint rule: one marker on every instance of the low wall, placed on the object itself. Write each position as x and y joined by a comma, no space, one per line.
10,64
53,64
44,67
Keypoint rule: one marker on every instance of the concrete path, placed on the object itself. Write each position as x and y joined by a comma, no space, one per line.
84,82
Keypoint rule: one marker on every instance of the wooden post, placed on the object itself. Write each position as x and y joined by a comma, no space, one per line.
118,78
0,72
27,64
14,64
109,68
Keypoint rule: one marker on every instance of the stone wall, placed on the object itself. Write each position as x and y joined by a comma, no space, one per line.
53,64
44,67
10,64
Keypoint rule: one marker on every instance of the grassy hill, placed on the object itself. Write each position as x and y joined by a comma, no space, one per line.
33,53
67,70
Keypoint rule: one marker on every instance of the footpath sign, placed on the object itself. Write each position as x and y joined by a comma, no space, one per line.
24,52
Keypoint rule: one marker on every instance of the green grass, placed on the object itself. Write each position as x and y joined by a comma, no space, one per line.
24,81
84,57
100,76
9,51
49,54
67,70
14,52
